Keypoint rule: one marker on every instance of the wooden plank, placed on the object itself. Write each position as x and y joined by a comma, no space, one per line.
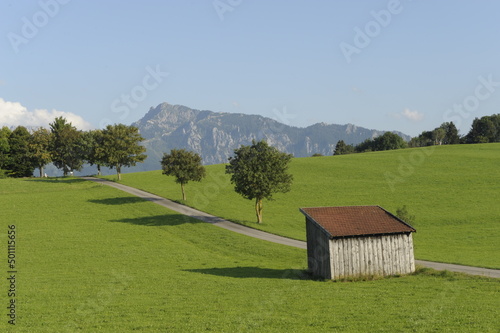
347,257
341,258
410,251
333,258
325,257
376,256
395,254
391,252
362,253
380,255
406,254
385,251
371,255
355,256
402,254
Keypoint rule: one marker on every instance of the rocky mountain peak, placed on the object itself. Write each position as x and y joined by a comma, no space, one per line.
215,135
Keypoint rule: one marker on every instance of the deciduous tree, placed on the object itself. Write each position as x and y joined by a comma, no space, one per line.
121,146
67,147
258,171
451,137
341,148
95,149
39,146
184,165
4,150
20,162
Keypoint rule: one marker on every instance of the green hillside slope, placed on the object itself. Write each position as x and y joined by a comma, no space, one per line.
453,191
90,258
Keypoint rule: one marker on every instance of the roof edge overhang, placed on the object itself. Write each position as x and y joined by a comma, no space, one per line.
371,235
359,235
309,217
397,218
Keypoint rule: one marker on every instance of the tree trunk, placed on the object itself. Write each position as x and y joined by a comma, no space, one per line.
258,209
118,172
41,171
98,169
183,192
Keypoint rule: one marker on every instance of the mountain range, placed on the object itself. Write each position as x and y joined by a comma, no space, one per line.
215,135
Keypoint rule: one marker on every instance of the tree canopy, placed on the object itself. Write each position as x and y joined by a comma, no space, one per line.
96,155
258,171
39,145
446,134
485,129
387,141
66,146
184,165
20,162
341,148
121,147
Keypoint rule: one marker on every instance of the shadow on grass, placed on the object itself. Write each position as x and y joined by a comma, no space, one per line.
60,180
159,220
254,272
117,200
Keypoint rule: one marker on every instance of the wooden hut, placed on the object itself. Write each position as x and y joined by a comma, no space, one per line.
356,241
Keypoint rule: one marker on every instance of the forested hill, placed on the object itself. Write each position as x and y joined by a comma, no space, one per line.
214,135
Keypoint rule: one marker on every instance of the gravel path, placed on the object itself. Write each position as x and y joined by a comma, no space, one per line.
217,221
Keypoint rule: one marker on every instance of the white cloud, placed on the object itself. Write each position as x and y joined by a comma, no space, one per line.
410,115
14,114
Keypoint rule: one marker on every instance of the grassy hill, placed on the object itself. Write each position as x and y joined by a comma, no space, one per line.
94,259
453,191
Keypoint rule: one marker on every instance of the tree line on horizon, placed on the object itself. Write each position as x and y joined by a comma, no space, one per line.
22,151
483,130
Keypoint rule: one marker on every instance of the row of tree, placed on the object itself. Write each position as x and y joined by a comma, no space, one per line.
22,151
484,130
386,141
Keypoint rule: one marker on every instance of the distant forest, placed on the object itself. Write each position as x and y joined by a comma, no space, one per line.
484,130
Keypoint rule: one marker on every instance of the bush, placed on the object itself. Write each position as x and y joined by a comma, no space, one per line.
403,214
4,173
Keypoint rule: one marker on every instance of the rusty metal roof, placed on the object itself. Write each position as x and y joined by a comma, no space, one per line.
356,220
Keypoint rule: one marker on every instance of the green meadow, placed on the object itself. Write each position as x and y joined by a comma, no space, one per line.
453,192
91,258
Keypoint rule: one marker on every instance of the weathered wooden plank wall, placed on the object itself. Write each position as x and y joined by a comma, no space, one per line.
373,255
318,251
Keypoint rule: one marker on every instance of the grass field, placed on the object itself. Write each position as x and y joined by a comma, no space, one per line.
93,259
453,191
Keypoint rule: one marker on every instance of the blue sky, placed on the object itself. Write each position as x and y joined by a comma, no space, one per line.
387,65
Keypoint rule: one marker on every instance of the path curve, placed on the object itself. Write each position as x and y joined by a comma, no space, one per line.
219,222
